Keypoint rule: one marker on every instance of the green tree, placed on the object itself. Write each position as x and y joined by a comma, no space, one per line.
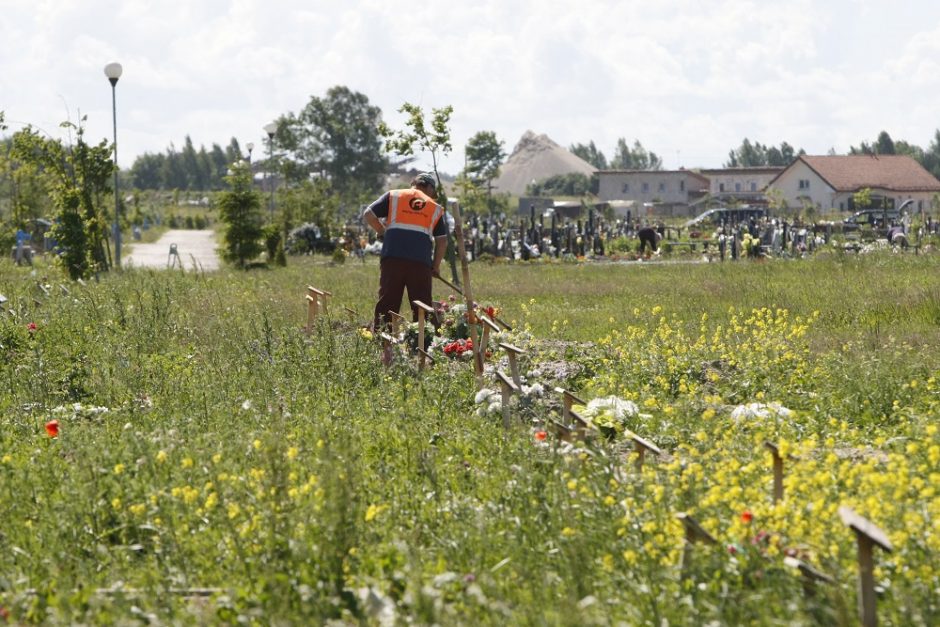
484,154
76,176
434,140
635,158
590,153
240,210
335,137
756,154
571,184
884,145
862,198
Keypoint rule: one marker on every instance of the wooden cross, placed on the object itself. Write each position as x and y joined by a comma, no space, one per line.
512,353
867,534
778,471
488,325
425,356
507,388
568,399
694,533
397,321
315,298
502,324
561,431
811,576
387,341
423,310
579,425
312,312
641,446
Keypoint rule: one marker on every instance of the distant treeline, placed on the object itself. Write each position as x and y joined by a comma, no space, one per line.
186,169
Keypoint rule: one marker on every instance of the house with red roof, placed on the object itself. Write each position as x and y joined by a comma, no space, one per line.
829,182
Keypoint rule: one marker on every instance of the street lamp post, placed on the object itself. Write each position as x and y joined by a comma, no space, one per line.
113,72
270,128
250,146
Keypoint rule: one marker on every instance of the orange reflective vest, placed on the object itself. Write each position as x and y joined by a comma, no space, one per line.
412,210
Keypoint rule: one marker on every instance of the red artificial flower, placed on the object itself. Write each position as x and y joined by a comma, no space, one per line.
747,516
52,428
491,312
540,436
31,327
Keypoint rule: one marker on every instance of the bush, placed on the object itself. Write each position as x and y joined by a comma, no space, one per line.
339,256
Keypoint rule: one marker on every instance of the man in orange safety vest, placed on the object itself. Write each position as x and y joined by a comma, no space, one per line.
414,234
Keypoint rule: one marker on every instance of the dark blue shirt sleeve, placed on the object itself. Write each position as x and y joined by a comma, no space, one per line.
380,207
440,229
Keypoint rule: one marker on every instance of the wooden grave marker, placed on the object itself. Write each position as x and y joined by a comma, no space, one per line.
694,533
641,446
811,576
397,320
507,388
502,324
579,425
423,311
778,471
568,399
488,326
867,535
313,306
513,352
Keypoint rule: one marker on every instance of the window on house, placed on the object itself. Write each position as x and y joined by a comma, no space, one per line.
804,183
681,186
737,187
841,206
753,187
646,187
920,205
721,187
626,188
662,187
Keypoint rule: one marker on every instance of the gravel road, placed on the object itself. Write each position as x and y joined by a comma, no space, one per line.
196,251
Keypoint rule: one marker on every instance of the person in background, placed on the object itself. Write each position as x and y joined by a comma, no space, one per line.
414,234
649,236
897,236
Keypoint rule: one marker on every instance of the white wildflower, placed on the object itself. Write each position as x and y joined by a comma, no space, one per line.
759,411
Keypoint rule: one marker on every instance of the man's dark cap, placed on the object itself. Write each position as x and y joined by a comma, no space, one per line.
425,178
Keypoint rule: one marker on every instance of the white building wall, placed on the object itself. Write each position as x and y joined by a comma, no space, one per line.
801,182
647,186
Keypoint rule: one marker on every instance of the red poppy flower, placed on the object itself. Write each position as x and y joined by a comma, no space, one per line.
747,516
540,436
31,327
52,428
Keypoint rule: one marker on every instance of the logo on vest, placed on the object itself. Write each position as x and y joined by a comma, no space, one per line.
416,204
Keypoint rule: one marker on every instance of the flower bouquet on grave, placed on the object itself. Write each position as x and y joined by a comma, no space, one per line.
409,336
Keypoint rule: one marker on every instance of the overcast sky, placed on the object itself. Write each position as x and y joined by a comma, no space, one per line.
688,78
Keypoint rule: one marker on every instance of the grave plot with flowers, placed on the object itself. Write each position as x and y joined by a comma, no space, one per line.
673,445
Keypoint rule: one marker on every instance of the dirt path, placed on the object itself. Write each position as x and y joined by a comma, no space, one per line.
196,250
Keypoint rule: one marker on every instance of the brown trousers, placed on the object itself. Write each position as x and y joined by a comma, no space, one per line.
396,275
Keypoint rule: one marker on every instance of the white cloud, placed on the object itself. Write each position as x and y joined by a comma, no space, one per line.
689,79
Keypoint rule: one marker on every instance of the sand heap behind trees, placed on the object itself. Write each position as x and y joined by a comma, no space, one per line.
535,158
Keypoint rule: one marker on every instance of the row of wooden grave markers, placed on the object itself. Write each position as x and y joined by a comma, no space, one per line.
574,426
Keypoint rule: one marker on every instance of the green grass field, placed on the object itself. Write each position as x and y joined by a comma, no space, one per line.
214,464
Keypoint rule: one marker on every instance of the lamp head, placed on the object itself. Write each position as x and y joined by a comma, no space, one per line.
270,128
250,146
113,72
